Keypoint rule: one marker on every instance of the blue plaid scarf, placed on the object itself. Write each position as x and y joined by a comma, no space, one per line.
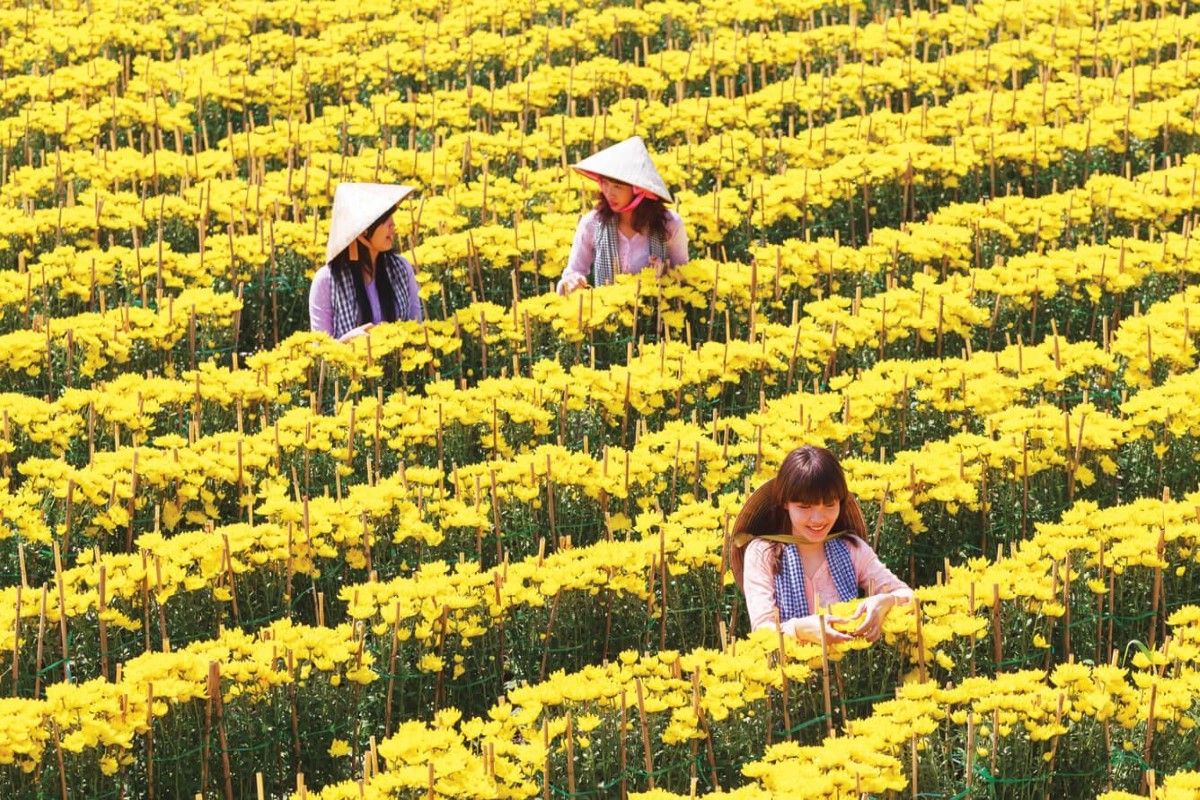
607,262
346,314
789,581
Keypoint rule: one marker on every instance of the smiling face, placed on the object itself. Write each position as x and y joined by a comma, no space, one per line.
383,237
811,490
615,193
812,522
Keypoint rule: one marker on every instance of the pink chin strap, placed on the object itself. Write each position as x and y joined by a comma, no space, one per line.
638,196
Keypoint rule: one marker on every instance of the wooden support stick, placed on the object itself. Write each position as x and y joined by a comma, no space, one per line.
646,749
62,612
825,677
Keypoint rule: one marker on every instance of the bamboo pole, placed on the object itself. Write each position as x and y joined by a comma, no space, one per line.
645,728
62,613
825,677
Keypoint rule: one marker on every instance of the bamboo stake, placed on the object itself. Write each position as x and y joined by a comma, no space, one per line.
915,791
229,574
62,771
970,772
16,641
62,612
645,733
624,758
996,639
549,633
387,717
1148,777
101,609
1156,589
921,665
214,671
441,652
570,755
825,677
206,741
787,714
150,739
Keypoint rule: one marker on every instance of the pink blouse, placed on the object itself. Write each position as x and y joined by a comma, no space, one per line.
633,251
762,565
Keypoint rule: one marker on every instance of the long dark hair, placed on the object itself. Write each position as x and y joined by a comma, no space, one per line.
809,475
650,216
388,307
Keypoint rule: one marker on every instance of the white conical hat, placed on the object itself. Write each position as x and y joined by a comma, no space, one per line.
628,162
355,207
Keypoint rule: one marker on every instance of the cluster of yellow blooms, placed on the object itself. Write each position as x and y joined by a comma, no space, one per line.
103,716
410,422
699,693
418,505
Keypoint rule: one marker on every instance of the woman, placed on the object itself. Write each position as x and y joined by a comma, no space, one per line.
630,228
800,544
363,283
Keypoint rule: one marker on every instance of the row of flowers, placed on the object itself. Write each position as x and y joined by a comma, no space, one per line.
927,310
195,477
834,176
691,697
569,728
433,603
911,149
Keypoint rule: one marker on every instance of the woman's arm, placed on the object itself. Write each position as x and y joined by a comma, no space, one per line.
677,241
873,575
583,253
320,302
886,591
413,312
758,583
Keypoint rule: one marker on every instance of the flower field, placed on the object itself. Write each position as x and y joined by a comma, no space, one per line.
485,556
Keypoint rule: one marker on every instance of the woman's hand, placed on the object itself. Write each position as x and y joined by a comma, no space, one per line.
659,266
570,283
354,333
873,611
808,629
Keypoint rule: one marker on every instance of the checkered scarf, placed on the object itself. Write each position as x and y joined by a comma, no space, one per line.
789,581
347,315
607,260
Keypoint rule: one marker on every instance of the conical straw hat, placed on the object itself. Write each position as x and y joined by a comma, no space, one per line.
628,162
355,207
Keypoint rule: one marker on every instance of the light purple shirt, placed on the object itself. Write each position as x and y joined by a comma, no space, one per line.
633,251
320,301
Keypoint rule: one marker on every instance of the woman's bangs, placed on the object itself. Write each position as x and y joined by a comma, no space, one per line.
812,476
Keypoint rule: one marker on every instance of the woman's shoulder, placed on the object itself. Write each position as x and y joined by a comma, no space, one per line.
857,546
322,276
761,546
673,224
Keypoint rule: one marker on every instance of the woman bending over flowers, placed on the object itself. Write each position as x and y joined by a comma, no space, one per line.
630,228
800,544
363,282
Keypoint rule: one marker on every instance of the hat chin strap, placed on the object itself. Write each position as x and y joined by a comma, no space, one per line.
638,197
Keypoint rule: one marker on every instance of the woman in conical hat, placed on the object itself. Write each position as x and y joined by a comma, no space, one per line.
630,227
799,544
363,282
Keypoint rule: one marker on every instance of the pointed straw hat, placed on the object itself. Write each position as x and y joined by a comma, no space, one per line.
628,162
355,207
